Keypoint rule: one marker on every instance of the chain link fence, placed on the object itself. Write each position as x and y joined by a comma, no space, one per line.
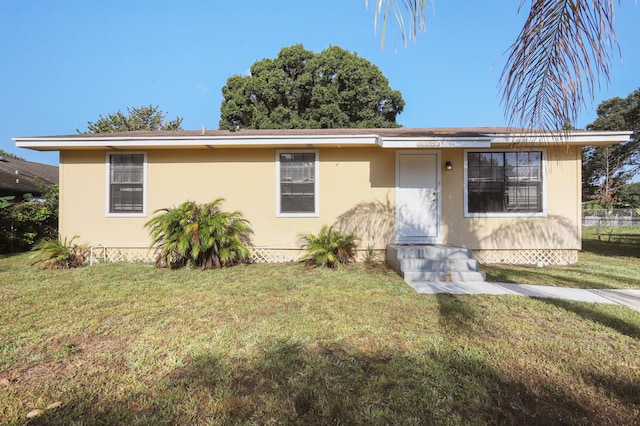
610,223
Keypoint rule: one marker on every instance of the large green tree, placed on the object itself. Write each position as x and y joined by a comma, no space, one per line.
605,169
561,54
144,118
301,89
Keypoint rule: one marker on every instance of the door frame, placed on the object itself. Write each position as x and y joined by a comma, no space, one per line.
425,239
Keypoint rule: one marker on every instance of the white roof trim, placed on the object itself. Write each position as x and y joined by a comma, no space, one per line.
56,143
572,138
435,142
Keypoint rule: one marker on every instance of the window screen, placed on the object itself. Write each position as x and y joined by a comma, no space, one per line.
500,182
297,182
126,183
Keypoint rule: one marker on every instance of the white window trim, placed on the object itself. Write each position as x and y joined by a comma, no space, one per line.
108,185
316,194
543,165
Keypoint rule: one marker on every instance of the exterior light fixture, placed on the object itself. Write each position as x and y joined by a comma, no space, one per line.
448,165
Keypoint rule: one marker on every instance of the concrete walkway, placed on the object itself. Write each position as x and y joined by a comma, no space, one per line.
629,298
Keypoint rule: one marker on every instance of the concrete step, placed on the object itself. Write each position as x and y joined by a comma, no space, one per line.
459,265
454,276
427,252
434,263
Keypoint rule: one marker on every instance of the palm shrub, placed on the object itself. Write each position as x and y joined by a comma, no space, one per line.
200,235
329,248
60,254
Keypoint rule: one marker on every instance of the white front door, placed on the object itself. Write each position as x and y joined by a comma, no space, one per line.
417,198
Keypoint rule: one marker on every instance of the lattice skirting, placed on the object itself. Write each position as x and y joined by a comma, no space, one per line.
147,255
274,255
122,254
527,256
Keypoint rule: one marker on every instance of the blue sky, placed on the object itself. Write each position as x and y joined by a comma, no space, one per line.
66,62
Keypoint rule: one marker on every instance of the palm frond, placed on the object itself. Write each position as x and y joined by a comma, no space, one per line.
416,10
562,54
564,48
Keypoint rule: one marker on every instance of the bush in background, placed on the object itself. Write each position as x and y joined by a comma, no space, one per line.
26,222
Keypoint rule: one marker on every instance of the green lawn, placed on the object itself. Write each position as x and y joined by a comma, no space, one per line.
284,344
613,261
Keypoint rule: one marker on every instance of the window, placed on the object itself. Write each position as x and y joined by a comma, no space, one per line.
126,183
297,174
504,182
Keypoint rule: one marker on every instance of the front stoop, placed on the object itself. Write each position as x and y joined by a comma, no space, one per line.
433,263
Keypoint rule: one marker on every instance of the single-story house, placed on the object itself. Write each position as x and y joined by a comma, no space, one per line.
20,177
506,195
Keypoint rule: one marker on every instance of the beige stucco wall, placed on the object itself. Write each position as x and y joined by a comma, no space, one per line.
559,229
357,193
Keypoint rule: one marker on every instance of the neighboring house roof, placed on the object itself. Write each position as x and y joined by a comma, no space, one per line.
21,177
471,137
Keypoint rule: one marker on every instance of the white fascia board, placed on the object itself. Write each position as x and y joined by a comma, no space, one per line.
431,142
57,143
571,138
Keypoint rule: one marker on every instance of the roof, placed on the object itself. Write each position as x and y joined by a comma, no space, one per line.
20,176
395,131
400,137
